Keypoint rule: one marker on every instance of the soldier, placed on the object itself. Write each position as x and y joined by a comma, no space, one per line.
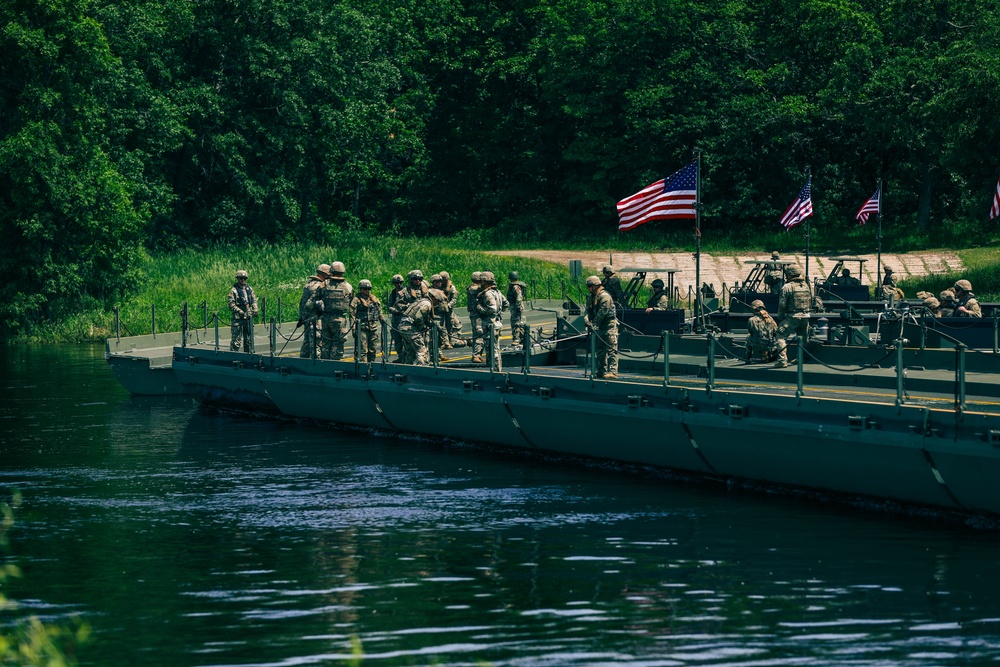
516,291
932,306
947,309
366,310
965,300
490,308
311,311
793,311
659,299
612,285
761,329
846,278
243,306
417,319
600,318
472,305
337,295
774,276
889,288
453,325
396,305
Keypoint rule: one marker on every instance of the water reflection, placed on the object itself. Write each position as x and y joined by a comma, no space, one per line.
200,538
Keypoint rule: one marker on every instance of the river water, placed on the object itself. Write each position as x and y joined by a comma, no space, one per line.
188,537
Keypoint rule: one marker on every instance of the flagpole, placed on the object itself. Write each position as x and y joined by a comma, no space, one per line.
808,176
699,315
878,240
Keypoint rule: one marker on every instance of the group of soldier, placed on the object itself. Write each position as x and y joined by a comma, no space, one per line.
330,308
767,338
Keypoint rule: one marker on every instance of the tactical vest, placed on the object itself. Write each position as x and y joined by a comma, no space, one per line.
337,297
368,311
511,295
801,297
417,312
243,297
472,298
654,300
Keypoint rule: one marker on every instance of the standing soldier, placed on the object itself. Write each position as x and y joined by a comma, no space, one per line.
417,319
774,276
793,311
311,310
397,304
761,329
366,310
889,288
659,299
337,295
490,309
601,320
966,304
516,291
472,305
612,285
453,325
243,307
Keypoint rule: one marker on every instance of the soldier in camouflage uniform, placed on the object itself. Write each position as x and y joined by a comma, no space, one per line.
600,318
612,285
453,324
417,320
932,306
889,289
337,295
490,306
793,311
774,276
311,312
761,331
966,304
243,307
396,305
472,305
659,299
516,291
366,310
947,298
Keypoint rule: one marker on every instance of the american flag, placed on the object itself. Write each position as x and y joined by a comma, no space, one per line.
801,208
870,206
995,211
672,197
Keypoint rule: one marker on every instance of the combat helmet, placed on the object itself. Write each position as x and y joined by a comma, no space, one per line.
512,276
657,284
593,281
437,295
608,269
436,278
757,304
241,274
931,302
338,267
365,284
947,296
793,271
487,277
415,274
477,277
445,276
397,279
323,268
963,285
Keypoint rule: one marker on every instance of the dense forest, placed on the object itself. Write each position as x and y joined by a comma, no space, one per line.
136,126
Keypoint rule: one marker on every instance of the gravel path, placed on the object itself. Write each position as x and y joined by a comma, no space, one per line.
719,269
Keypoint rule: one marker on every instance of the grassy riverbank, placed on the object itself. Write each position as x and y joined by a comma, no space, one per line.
278,273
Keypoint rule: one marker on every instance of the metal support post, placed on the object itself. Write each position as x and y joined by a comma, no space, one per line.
995,323
592,362
800,370
215,318
960,378
527,348
152,315
434,344
899,372
263,309
118,324
204,314
274,337
711,362
357,346
279,309
386,343
184,325
666,358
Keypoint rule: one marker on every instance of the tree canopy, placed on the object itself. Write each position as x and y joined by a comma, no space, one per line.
129,126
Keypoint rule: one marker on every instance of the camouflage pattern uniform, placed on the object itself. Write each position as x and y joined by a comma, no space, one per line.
337,295
932,306
659,299
966,304
774,276
417,318
396,306
453,323
311,312
761,329
366,310
472,305
793,311
613,286
601,318
888,289
442,314
243,307
516,291
490,307
947,304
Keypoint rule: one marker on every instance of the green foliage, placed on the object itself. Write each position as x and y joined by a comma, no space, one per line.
27,641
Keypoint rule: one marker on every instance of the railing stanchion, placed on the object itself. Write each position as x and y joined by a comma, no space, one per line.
899,372
118,324
215,319
666,359
152,315
800,370
711,362
960,378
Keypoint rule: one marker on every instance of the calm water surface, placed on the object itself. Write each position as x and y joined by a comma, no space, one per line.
189,537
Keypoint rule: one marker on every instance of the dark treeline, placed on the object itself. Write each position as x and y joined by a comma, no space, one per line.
130,126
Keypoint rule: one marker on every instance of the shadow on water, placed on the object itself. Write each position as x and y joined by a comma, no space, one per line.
195,537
